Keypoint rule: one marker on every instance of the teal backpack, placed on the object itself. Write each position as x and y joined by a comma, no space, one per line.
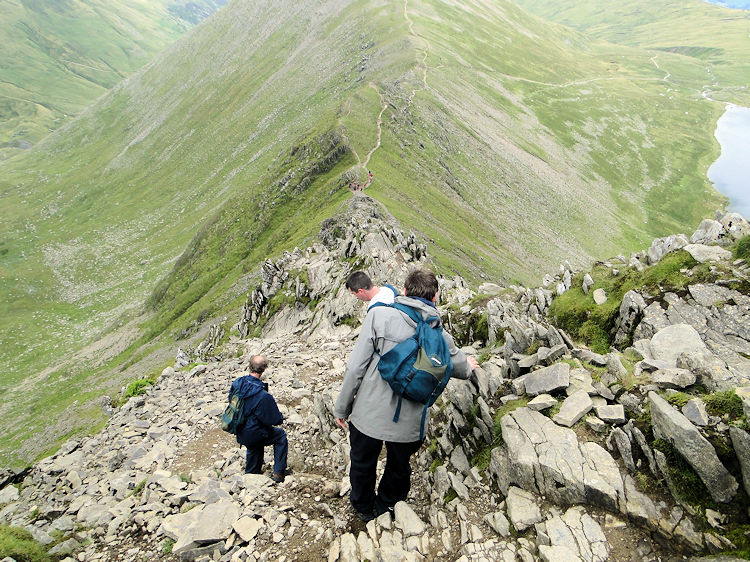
233,417
419,367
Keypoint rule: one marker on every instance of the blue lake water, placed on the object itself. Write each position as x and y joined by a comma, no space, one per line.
738,4
730,174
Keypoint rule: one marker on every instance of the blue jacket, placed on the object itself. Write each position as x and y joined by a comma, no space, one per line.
261,411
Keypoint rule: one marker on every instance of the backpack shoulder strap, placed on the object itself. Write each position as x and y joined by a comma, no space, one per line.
392,288
413,313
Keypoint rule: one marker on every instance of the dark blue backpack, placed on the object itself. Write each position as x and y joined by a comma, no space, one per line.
419,367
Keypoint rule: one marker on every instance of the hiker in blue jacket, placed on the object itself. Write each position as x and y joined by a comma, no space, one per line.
369,403
261,415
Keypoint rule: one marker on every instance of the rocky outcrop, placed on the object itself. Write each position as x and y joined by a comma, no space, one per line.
671,425
492,482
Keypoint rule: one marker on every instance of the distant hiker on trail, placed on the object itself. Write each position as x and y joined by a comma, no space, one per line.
369,403
369,179
261,414
361,287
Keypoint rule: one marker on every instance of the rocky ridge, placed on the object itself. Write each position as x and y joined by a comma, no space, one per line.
516,465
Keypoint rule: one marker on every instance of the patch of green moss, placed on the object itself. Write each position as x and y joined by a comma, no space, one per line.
481,458
503,410
349,320
688,485
138,490
742,249
436,463
678,399
533,347
450,495
19,544
726,404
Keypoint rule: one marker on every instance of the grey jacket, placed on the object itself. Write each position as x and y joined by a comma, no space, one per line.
365,398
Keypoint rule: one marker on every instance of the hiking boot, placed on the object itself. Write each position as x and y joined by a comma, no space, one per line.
277,477
364,517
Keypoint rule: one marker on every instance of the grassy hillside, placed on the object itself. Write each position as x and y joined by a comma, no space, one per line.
59,56
717,37
507,142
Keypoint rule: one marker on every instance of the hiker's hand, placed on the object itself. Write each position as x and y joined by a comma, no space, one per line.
472,362
341,422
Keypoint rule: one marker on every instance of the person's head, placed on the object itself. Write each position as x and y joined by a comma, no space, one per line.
360,285
258,365
421,283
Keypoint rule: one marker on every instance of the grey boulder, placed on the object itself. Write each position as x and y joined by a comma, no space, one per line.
574,408
547,379
671,425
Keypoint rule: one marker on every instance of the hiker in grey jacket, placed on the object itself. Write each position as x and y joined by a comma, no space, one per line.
369,403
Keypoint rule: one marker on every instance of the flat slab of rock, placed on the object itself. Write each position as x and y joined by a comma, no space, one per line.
547,379
542,402
595,424
408,521
574,408
523,509
580,379
600,296
9,494
673,378
668,343
695,411
498,522
702,253
611,414
553,354
201,525
544,458
671,425
578,533
741,445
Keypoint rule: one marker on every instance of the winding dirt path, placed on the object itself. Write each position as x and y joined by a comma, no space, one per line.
379,125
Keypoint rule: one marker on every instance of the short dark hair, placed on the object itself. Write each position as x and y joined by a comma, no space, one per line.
258,364
421,283
359,280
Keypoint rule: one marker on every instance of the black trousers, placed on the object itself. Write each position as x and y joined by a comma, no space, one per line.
396,480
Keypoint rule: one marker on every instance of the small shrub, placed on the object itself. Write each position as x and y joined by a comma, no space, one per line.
484,355
533,347
17,543
482,458
742,249
351,321
724,403
678,399
167,546
138,490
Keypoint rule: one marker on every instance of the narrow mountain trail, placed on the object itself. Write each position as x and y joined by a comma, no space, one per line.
425,51
656,64
379,125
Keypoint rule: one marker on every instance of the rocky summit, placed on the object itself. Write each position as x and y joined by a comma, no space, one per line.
552,450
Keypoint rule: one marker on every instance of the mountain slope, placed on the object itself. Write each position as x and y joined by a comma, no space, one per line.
60,56
718,37
506,142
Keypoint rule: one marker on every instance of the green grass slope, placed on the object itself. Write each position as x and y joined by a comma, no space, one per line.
715,36
59,56
508,142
